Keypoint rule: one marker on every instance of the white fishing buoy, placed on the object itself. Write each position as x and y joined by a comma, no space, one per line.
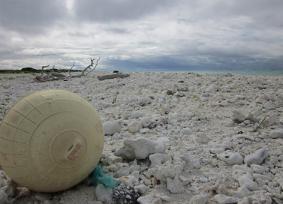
50,141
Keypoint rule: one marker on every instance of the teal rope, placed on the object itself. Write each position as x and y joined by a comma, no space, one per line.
98,176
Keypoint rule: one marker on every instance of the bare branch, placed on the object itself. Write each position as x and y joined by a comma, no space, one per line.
43,67
90,67
54,75
94,67
69,72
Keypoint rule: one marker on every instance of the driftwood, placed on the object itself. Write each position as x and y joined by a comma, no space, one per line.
112,76
69,72
52,75
48,78
90,67
43,67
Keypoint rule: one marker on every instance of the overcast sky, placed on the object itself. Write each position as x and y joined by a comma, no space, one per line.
148,34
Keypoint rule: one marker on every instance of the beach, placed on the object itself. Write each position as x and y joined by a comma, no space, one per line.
194,138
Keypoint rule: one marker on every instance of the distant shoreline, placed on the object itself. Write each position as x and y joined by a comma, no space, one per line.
259,72
209,72
31,70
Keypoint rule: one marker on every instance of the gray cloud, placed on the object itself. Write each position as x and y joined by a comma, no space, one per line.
30,15
116,10
261,12
117,30
159,34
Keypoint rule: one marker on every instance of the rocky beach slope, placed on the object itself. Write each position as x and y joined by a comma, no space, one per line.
176,137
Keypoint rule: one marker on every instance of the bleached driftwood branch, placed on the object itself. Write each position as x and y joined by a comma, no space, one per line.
43,67
69,72
91,67
112,76
52,75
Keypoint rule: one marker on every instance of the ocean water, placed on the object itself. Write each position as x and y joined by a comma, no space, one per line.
244,71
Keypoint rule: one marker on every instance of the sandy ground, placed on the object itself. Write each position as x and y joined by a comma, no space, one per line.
219,137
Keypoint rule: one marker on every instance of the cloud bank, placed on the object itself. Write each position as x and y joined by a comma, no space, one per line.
156,34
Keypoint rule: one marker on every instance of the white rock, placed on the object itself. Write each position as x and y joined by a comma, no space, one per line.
164,197
126,152
216,149
253,116
134,126
131,180
161,144
238,116
141,148
278,133
167,170
260,197
175,185
201,139
185,180
261,179
142,188
190,161
223,199
257,157
186,131
134,167
136,114
199,199
103,194
144,130
6,188
239,170
270,120
242,192
108,159
279,180
245,200
259,169
211,88
123,171
3,179
144,147
231,158
42,197
3,196
146,121
111,127
247,181
158,159
149,199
